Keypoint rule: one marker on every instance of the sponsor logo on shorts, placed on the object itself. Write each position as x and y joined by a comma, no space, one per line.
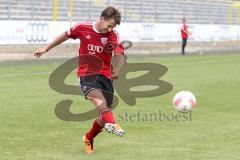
84,88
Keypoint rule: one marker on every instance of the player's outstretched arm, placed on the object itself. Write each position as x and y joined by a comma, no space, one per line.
58,40
119,63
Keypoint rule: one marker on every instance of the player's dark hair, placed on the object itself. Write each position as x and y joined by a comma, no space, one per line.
111,13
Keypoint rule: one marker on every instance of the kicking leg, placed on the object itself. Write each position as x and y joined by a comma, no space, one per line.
106,117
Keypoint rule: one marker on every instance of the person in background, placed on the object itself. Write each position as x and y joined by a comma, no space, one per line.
184,34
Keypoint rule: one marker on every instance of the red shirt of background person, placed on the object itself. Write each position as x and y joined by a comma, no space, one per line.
98,45
184,30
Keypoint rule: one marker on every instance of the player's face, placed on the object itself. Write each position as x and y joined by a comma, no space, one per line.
106,25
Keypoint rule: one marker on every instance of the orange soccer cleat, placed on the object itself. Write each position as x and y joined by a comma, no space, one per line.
88,145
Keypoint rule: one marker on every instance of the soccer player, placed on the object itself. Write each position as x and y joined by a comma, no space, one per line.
184,34
98,42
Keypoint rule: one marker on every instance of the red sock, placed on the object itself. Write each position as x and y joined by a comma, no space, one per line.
96,128
108,117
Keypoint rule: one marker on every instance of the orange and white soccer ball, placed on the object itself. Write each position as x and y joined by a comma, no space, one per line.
184,101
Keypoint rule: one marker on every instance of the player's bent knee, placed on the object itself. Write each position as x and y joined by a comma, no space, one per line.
97,101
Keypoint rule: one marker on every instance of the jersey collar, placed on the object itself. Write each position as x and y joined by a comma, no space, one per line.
94,28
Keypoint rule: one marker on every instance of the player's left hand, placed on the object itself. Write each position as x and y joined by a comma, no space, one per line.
115,74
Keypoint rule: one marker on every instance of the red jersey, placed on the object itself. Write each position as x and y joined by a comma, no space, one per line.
184,31
96,49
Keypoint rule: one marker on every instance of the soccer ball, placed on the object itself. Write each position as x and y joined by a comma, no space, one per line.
184,101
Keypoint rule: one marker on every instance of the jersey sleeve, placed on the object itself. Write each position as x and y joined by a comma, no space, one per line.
119,49
73,31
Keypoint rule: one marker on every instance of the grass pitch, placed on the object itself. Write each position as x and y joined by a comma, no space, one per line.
30,129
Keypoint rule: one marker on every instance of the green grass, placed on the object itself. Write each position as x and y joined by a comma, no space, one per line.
31,130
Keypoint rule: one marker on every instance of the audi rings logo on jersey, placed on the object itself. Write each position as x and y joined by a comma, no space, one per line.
37,32
94,48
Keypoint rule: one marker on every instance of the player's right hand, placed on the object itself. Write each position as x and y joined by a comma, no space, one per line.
38,53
